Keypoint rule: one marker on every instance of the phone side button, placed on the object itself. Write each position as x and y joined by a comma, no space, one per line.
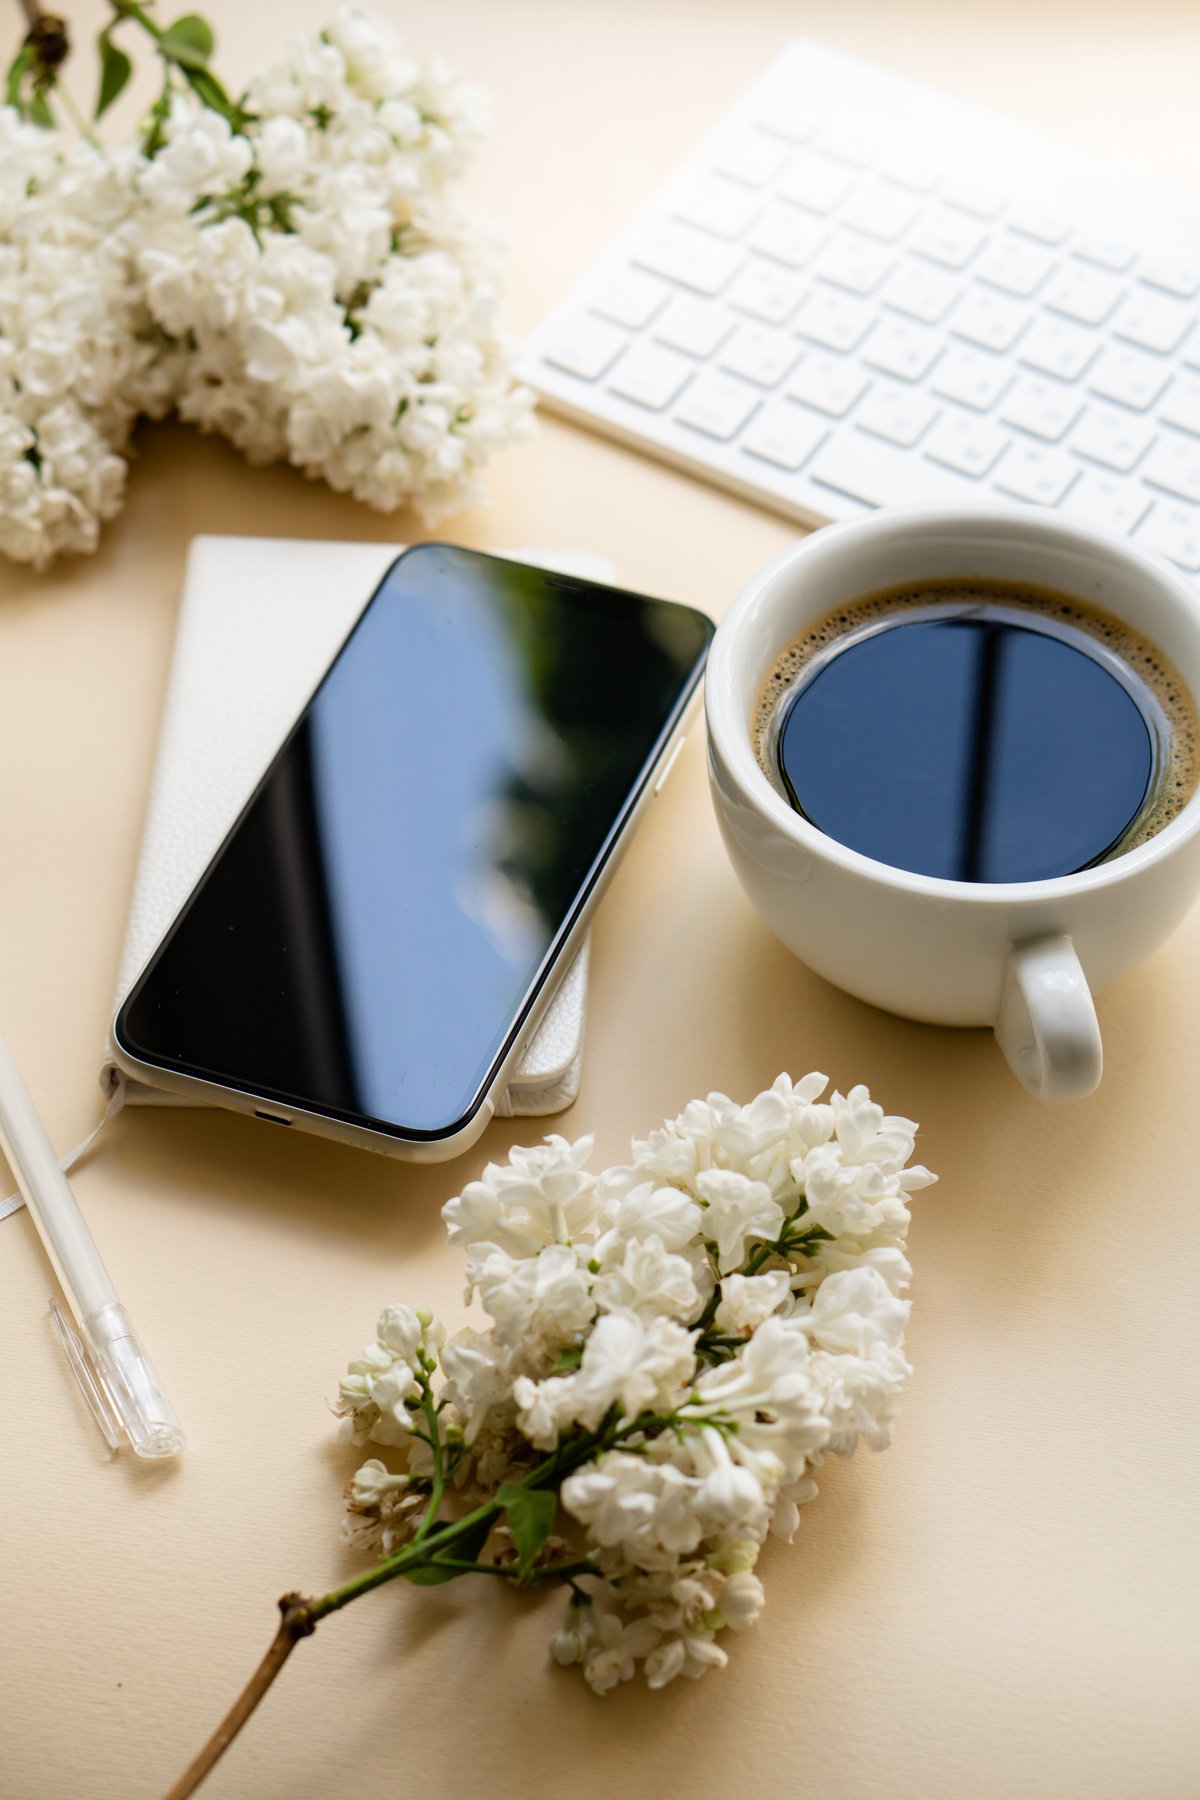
661,783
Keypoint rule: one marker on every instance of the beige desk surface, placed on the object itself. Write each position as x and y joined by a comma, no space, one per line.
1007,1603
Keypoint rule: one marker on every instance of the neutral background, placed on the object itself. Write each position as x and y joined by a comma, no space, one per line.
1007,1602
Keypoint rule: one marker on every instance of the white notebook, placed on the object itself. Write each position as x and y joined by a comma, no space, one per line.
260,621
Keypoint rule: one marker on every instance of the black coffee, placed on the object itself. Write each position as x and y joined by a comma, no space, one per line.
978,732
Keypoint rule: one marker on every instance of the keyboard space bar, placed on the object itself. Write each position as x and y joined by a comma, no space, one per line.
859,466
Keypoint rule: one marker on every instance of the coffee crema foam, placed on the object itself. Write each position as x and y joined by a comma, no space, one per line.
1177,776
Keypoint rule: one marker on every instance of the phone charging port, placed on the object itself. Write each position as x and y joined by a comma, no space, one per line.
273,1118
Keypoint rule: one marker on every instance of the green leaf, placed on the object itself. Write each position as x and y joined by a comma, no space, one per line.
464,1549
18,68
572,1356
189,41
39,109
206,87
530,1513
429,1575
115,70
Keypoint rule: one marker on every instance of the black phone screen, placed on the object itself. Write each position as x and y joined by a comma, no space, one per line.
370,935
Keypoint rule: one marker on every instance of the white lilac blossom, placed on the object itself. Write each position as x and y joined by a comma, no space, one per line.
80,355
673,1346
305,285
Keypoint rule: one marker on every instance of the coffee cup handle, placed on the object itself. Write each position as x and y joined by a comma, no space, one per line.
1047,1026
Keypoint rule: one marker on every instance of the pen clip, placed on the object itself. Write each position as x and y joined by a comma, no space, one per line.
92,1384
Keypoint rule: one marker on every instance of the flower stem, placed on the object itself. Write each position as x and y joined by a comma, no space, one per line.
409,1558
434,1440
301,1616
295,1622
126,9
759,1256
76,117
509,1572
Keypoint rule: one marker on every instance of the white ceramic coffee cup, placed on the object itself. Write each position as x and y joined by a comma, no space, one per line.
1022,957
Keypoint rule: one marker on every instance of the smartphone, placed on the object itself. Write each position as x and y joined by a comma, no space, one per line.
374,944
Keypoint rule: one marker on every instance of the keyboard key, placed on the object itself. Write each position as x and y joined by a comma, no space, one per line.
716,405
788,236
969,197
1182,405
1105,252
1153,321
830,383
1177,275
846,145
585,347
781,434
920,174
759,355
767,293
629,299
788,118
866,469
835,321
1044,408
650,376
1014,266
947,238
991,320
1115,439
751,158
693,326
972,378
1175,531
691,257
723,207
880,213
1088,295
812,181
898,414
851,264
1046,227
970,445
921,291
1104,500
1130,376
1029,473
901,349
1058,348
1174,464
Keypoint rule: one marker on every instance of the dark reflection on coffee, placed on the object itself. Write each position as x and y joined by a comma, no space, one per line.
977,733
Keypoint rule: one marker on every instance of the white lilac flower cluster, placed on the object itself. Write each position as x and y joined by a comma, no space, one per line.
307,286
80,356
674,1345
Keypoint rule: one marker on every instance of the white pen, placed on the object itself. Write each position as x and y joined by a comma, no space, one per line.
117,1379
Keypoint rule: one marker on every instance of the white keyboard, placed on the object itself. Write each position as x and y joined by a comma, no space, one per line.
858,291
